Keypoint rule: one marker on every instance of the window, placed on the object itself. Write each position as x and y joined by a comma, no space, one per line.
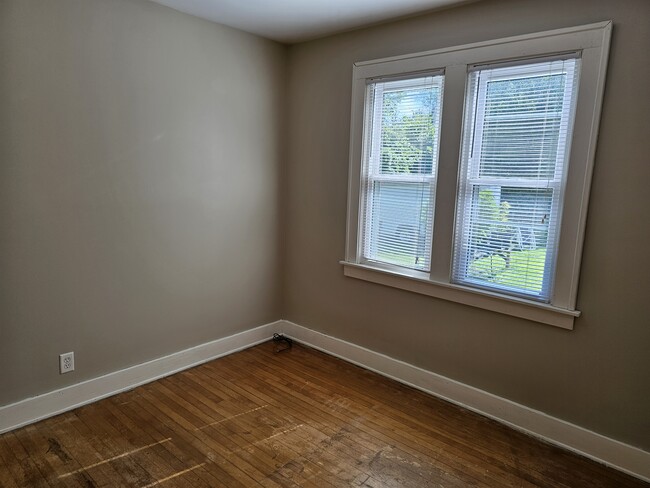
470,170
518,121
400,161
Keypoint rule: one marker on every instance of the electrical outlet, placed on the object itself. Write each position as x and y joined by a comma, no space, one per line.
66,362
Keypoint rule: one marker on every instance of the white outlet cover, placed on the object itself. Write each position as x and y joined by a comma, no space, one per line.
66,362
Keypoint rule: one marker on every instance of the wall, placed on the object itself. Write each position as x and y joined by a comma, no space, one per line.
596,376
139,184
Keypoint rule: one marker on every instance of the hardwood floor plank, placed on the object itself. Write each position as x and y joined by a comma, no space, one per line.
220,464
333,412
253,415
141,457
270,440
25,470
129,472
306,407
87,451
246,449
544,451
340,404
299,418
243,425
186,450
463,447
341,461
166,450
12,475
222,445
155,457
6,478
489,445
601,475
52,461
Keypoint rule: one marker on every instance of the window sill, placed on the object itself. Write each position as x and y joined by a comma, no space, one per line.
517,307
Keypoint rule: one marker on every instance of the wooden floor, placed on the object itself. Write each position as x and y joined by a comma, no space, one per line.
296,418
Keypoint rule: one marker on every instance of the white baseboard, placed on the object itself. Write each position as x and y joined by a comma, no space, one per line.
623,457
53,403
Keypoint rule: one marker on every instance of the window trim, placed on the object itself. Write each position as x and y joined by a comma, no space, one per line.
592,41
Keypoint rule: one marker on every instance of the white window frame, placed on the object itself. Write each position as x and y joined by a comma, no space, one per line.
556,183
370,174
592,42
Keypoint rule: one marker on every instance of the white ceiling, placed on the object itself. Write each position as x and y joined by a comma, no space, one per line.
299,20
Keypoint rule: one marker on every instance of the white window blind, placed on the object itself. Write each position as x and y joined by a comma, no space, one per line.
516,139
400,158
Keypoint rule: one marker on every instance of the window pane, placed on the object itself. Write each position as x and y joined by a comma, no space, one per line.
400,226
402,127
522,127
515,145
408,128
508,237
530,95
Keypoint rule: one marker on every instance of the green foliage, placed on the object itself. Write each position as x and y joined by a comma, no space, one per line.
490,214
525,270
534,94
407,136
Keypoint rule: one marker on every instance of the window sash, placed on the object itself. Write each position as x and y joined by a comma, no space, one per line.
395,245
473,260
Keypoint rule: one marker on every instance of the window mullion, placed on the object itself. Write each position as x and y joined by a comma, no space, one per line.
446,184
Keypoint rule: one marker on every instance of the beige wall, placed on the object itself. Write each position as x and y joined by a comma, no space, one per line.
597,376
139,166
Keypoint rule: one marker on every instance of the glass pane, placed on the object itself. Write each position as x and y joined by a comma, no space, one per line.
508,237
522,126
538,94
410,113
400,228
